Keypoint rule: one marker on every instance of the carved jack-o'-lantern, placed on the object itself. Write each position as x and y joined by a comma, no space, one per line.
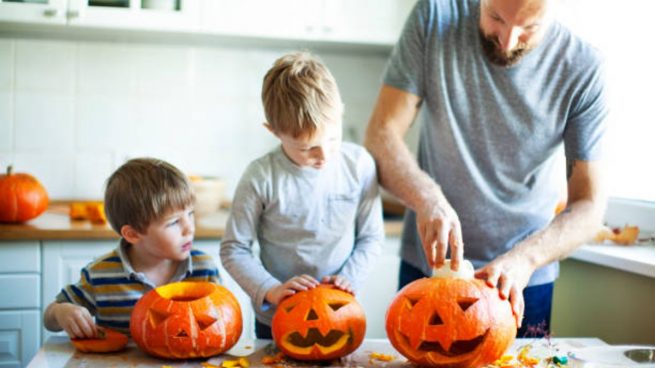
186,320
319,324
450,322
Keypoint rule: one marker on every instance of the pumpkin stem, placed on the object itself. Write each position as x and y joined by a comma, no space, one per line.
10,170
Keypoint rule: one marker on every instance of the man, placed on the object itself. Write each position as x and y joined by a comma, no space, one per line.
503,86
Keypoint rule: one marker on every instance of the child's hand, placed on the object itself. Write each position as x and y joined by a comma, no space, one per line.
75,320
340,282
296,283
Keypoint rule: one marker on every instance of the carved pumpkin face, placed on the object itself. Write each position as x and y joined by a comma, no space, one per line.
186,320
447,322
319,324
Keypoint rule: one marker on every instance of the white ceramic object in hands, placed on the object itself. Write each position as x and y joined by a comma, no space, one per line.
465,271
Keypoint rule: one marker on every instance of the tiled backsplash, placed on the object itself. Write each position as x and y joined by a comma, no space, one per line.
71,112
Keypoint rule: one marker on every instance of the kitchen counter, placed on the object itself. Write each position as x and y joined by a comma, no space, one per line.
58,352
54,224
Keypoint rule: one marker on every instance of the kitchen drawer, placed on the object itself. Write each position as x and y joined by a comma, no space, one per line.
19,337
20,291
20,256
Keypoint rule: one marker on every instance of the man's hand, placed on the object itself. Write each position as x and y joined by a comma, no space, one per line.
438,226
75,320
340,282
510,274
297,283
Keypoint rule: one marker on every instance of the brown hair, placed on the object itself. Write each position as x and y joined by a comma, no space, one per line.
300,95
142,191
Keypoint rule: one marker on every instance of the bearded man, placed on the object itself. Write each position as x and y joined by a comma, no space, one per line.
503,86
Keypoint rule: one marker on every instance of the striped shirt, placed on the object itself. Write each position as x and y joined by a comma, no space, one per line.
109,287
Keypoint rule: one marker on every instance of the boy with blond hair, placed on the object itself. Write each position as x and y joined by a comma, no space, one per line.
149,203
312,203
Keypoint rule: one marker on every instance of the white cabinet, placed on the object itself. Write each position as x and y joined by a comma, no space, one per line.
347,21
19,337
62,262
380,288
298,22
20,267
164,15
43,11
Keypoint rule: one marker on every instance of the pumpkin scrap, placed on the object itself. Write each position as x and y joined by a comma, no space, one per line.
107,341
92,211
22,197
381,356
278,358
322,323
626,236
184,320
236,363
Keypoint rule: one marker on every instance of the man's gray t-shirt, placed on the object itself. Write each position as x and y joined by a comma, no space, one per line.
307,221
490,133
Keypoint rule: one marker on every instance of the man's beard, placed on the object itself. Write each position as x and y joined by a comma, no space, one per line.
494,53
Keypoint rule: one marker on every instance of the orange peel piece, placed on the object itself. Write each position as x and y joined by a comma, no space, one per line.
625,236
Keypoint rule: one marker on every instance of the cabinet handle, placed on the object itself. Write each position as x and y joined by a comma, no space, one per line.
72,14
51,12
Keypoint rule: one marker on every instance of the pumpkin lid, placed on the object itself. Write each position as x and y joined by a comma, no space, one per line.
464,272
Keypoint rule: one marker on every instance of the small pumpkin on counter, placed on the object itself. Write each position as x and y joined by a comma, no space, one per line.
92,211
107,341
186,320
22,197
450,321
322,323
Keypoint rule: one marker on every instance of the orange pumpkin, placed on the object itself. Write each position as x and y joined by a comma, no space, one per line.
450,322
322,323
185,320
107,341
22,197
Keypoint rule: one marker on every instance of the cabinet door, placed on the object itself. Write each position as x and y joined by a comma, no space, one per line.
19,337
365,21
212,248
380,288
34,11
164,15
62,263
287,19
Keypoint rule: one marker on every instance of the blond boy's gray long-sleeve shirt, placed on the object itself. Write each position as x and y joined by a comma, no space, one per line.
318,222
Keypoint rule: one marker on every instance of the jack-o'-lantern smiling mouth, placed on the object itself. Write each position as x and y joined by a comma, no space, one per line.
334,339
457,348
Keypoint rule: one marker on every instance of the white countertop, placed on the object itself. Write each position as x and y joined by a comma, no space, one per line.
58,352
639,259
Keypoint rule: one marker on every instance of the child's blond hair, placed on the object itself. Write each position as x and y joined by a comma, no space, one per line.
142,191
300,95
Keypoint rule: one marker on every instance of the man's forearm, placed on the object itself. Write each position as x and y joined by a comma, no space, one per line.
398,170
578,223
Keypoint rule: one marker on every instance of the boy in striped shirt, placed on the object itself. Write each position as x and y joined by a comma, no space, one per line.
149,203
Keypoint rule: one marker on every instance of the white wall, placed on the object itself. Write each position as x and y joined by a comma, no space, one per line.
71,112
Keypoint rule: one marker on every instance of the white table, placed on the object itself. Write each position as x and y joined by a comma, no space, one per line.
58,352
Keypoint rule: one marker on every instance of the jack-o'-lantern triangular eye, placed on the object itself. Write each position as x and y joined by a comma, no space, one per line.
205,321
466,303
311,316
289,308
336,305
412,301
157,317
